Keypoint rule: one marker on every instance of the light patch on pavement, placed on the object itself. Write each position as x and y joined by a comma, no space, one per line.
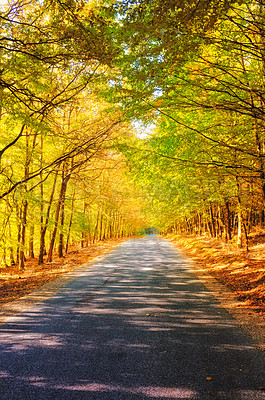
155,392
25,341
150,391
252,395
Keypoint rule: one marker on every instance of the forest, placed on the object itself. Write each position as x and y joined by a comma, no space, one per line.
120,116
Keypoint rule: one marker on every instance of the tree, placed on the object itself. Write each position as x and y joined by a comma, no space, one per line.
205,92
50,52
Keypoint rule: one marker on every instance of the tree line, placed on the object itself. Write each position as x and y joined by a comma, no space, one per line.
197,70
61,180
76,77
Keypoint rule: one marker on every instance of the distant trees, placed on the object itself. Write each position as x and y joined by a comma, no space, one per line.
81,193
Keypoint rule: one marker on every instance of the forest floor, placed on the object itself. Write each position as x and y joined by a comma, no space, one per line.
242,272
15,283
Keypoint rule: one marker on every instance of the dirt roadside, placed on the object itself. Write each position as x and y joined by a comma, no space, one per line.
15,283
235,277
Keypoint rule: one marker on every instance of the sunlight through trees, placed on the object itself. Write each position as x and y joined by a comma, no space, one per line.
76,80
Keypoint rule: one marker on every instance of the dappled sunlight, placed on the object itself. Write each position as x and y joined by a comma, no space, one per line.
251,395
225,347
29,340
135,334
149,392
153,392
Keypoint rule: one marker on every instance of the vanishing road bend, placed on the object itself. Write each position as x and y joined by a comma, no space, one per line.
136,325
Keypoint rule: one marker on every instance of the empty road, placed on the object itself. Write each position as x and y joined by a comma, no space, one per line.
136,325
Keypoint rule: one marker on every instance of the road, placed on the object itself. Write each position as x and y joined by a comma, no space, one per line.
137,325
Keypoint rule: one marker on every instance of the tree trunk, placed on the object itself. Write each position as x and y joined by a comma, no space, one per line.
70,223
65,180
239,230
31,242
246,236
110,226
23,235
89,238
61,235
42,232
11,250
96,227
18,241
84,233
12,259
24,206
213,230
4,256
101,228
228,220
44,227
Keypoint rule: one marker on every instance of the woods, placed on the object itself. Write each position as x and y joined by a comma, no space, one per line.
77,78
61,181
205,89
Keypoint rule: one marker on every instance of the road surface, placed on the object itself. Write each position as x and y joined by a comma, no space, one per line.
137,325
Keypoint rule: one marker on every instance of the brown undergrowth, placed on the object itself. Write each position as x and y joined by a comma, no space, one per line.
15,283
241,271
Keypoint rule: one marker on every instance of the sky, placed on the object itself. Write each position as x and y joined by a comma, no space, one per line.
141,130
3,4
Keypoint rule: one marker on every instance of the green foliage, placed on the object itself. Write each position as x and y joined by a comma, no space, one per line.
199,73
192,70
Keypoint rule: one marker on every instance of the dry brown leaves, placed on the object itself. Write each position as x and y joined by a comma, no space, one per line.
15,283
241,271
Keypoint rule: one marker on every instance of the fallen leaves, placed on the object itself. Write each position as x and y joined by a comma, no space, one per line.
242,272
15,283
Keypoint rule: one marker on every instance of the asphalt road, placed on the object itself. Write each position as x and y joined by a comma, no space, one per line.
137,325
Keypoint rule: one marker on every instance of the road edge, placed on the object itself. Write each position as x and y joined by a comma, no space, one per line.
249,321
16,307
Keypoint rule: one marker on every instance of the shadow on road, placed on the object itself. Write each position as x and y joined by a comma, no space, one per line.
149,330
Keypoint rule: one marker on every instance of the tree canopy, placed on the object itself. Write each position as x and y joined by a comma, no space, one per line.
78,77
